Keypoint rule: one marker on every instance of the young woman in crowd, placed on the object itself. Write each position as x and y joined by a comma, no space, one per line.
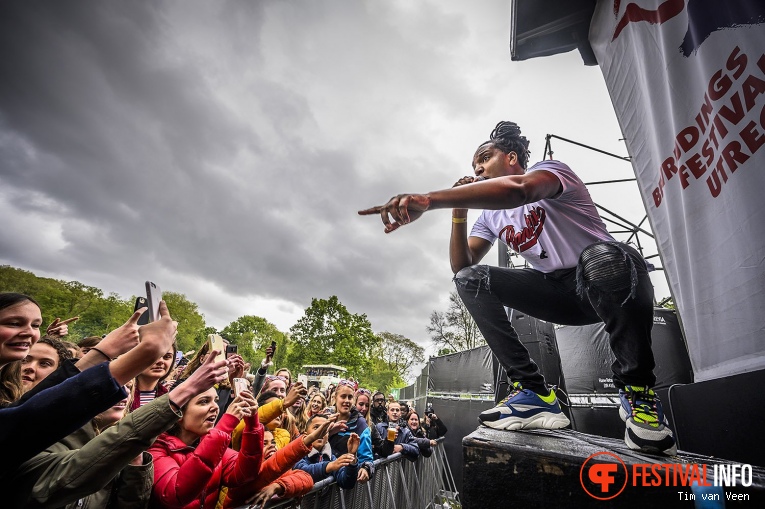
271,408
423,442
225,392
350,421
286,374
76,392
192,461
276,477
277,384
148,385
362,401
104,464
316,404
433,426
43,358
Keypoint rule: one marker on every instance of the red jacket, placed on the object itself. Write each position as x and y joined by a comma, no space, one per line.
188,477
276,469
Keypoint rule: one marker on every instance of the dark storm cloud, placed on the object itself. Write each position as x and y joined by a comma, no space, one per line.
125,140
223,148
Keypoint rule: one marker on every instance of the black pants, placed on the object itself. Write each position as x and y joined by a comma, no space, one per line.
610,285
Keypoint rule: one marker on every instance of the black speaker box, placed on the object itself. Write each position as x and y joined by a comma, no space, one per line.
721,417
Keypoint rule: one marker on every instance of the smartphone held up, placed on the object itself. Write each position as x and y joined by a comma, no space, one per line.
154,296
241,384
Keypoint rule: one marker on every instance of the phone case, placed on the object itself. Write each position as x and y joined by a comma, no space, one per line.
141,302
154,296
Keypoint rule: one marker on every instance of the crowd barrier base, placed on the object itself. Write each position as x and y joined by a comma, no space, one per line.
397,484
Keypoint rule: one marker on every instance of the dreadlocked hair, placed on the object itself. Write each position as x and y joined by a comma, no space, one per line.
506,136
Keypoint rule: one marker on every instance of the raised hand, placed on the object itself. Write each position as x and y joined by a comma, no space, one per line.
338,427
209,373
268,360
262,497
297,391
124,338
244,405
155,339
342,461
403,209
353,443
162,331
236,368
320,431
59,328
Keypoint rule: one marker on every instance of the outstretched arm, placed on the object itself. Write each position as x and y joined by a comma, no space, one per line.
495,194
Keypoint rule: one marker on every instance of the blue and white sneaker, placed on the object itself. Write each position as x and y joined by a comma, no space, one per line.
525,409
647,426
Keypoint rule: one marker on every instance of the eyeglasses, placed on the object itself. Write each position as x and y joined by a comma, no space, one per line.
271,378
365,392
378,400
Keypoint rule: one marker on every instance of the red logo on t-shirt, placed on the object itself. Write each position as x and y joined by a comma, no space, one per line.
528,236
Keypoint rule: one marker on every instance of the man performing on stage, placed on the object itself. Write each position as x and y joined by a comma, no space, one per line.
580,275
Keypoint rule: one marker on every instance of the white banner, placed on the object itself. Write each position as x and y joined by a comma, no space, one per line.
687,79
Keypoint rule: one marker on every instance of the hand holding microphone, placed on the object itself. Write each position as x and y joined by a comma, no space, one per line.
469,179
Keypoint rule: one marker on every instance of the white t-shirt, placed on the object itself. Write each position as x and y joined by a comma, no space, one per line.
550,234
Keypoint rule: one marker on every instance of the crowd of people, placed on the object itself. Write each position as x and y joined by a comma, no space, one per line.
125,421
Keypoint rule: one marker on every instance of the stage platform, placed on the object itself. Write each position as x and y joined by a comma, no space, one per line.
529,469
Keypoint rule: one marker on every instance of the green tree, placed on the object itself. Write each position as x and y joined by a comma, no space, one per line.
98,314
454,329
102,316
379,376
329,334
399,354
252,335
191,323
65,299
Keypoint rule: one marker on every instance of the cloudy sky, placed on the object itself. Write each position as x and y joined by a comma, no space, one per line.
222,149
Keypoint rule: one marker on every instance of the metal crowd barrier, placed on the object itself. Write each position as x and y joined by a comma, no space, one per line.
397,484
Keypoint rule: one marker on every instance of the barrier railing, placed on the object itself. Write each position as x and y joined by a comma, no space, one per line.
397,484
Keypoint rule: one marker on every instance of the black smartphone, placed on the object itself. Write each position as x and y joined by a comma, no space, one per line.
231,350
273,348
154,296
140,302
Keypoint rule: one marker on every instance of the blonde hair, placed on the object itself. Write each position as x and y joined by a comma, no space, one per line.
305,414
369,406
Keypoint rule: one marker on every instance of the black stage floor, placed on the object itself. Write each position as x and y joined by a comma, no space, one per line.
551,469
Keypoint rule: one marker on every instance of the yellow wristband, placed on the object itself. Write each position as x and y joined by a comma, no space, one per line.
459,220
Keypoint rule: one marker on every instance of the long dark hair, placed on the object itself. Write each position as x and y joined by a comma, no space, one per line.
10,374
